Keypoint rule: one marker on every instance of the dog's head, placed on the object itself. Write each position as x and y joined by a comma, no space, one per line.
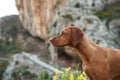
69,36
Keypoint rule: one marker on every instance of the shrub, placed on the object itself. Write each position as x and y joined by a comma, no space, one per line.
68,74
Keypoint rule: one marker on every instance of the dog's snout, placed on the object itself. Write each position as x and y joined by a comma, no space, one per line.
51,39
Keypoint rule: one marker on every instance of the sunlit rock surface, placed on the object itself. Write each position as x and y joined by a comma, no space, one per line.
41,17
35,15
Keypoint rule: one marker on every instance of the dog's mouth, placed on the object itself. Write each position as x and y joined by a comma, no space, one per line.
58,43
54,41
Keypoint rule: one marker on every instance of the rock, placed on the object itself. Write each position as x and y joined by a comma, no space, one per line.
46,19
114,27
20,64
40,17
14,38
26,65
36,15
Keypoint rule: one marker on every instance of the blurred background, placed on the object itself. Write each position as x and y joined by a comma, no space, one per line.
27,25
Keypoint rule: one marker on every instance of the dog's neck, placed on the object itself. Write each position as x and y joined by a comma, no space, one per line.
86,49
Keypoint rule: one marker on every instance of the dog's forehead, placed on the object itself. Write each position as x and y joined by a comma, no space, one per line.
66,28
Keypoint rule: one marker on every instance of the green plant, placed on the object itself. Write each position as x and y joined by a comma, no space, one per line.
3,65
22,73
109,12
43,75
77,5
10,47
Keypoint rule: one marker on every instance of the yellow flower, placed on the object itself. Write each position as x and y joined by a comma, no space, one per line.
56,72
68,69
54,78
80,78
71,77
84,73
78,71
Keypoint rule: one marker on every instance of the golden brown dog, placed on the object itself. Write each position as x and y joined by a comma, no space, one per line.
99,63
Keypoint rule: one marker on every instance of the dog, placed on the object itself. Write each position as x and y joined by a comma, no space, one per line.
99,63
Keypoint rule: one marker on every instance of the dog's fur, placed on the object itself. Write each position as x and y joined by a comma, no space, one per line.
99,63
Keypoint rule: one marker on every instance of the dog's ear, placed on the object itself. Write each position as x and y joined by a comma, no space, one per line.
76,36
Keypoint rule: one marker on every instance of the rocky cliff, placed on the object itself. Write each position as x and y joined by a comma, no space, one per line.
45,18
36,15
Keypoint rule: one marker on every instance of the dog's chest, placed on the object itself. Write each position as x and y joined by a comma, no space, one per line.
94,72
88,69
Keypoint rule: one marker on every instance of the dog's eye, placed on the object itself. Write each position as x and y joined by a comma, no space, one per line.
63,32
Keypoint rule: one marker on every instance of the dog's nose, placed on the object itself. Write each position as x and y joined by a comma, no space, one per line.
51,39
